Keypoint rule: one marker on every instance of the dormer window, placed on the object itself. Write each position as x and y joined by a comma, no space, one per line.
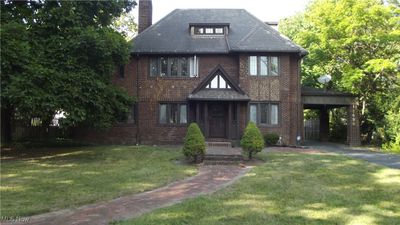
209,29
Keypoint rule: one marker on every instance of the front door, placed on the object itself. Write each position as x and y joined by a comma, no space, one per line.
217,120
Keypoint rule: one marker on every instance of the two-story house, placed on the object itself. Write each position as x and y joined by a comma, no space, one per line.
218,67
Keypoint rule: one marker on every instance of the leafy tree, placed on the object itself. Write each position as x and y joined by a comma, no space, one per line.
60,56
252,140
126,25
358,43
393,126
194,145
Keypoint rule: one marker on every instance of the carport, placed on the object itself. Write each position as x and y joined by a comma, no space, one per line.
325,100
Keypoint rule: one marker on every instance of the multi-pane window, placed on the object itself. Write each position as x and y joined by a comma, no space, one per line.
264,113
173,113
174,66
209,30
218,82
263,65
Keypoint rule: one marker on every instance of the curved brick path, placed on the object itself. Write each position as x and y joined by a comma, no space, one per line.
209,179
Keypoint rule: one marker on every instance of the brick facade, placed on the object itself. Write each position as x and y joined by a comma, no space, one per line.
283,89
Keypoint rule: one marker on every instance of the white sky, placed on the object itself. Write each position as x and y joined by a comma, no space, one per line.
267,10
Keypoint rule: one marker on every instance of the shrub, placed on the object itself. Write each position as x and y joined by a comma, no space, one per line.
271,139
195,144
393,146
252,140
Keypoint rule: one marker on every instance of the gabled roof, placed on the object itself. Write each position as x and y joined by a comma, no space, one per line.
234,93
246,34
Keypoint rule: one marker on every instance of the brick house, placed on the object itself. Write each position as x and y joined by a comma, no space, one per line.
218,67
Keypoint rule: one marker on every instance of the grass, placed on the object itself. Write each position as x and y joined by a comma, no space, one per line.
49,180
295,188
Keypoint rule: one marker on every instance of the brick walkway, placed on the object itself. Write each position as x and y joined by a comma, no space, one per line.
209,179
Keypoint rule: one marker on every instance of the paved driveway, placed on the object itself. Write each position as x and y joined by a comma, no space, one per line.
384,159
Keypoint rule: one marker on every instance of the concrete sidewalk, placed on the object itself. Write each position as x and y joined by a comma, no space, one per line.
384,159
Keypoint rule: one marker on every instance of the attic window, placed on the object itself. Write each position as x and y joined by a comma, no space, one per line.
209,29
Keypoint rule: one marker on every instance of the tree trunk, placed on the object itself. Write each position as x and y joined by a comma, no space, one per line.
250,155
6,125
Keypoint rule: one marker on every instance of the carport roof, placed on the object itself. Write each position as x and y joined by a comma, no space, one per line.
313,98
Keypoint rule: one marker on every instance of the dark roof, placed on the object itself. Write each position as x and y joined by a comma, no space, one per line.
311,91
246,34
218,95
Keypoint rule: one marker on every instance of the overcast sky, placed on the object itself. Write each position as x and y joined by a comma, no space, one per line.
267,10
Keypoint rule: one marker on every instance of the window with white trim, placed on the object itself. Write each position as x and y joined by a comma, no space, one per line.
209,30
263,65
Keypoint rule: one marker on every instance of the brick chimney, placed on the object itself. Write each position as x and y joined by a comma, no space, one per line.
145,14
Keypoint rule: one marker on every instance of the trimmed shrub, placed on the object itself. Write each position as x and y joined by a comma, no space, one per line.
271,139
252,140
195,144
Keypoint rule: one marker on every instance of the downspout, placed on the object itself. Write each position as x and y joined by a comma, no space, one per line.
299,136
138,100
299,103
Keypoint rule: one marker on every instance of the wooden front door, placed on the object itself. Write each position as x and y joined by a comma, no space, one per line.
217,120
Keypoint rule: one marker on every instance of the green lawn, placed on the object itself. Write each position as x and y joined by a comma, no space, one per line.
296,188
72,177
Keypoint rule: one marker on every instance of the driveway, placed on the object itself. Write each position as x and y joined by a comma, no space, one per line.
384,159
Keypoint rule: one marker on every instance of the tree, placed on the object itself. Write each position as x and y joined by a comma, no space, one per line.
358,43
126,25
60,56
194,145
252,140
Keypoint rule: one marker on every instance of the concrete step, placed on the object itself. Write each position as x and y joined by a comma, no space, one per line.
219,144
212,162
223,157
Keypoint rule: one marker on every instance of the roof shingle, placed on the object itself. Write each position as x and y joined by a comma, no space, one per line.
246,33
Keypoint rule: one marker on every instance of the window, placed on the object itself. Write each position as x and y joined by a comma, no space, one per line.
121,71
253,65
263,65
264,113
218,82
209,30
173,113
253,113
174,66
164,66
219,30
173,63
130,117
